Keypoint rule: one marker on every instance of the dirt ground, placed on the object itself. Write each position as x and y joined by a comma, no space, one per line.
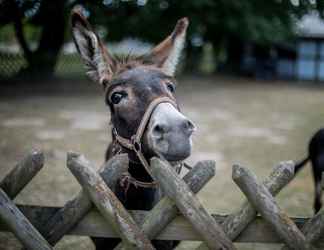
256,124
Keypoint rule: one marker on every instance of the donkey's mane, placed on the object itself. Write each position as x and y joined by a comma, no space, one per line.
128,61
127,58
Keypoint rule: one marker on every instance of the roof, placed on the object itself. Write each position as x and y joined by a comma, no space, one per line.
311,25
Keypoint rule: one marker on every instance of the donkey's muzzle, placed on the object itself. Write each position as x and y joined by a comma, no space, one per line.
184,125
169,132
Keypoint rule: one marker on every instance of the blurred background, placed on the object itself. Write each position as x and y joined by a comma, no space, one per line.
251,78
273,39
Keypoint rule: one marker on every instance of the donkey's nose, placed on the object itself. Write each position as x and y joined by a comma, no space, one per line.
160,129
184,125
188,127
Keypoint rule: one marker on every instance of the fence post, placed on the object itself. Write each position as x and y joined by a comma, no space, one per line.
74,210
279,178
22,173
107,203
313,229
20,225
264,202
174,187
166,210
235,223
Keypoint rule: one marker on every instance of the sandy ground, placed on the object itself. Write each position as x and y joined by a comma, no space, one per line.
253,123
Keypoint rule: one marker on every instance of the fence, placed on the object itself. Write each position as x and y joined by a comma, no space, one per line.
11,63
177,216
69,63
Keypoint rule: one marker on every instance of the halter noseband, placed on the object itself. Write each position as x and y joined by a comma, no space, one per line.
134,143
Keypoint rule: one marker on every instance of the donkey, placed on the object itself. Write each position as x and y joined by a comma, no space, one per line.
145,117
316,156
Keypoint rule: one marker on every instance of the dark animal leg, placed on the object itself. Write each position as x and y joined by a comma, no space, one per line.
318,196
318,170
316,155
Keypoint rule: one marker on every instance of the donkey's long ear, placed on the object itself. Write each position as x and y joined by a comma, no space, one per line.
99,63
166,54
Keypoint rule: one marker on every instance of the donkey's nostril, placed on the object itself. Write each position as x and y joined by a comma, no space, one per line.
189,127
160,129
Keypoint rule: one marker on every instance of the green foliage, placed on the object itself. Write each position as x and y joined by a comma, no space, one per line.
216,21
221,23
7,33
263,22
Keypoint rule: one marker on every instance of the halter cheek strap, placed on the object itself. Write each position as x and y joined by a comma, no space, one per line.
134,143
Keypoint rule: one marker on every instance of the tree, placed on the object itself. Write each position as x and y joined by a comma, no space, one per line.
226,24
51,17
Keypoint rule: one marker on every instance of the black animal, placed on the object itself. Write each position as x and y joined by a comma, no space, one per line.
316,156
131,86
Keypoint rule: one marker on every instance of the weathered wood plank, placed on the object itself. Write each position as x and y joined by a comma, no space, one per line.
20,226
175,188
68,216
313,229
235,223
266,205
279,178
22,173
94,225
166,210
107,203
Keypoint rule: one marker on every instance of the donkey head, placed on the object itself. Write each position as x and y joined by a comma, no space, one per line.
132,83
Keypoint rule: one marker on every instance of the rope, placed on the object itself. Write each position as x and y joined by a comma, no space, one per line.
135,142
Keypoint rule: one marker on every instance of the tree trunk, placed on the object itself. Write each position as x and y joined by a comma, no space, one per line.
42,61
12,8
234,56
193,58
52,36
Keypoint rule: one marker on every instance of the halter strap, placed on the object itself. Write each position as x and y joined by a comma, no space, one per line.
134,143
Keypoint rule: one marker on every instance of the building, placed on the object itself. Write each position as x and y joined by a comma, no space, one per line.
304,60
300,60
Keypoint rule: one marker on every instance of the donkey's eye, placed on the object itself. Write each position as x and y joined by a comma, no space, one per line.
117,97
171,87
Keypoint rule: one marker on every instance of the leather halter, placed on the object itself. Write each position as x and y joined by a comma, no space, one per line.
135,144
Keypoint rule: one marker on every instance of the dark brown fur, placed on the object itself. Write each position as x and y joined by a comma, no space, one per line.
142,84
141,79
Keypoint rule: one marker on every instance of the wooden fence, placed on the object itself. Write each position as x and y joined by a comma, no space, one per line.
179,215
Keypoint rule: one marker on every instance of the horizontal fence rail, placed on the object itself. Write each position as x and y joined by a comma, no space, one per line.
179,215
94,225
